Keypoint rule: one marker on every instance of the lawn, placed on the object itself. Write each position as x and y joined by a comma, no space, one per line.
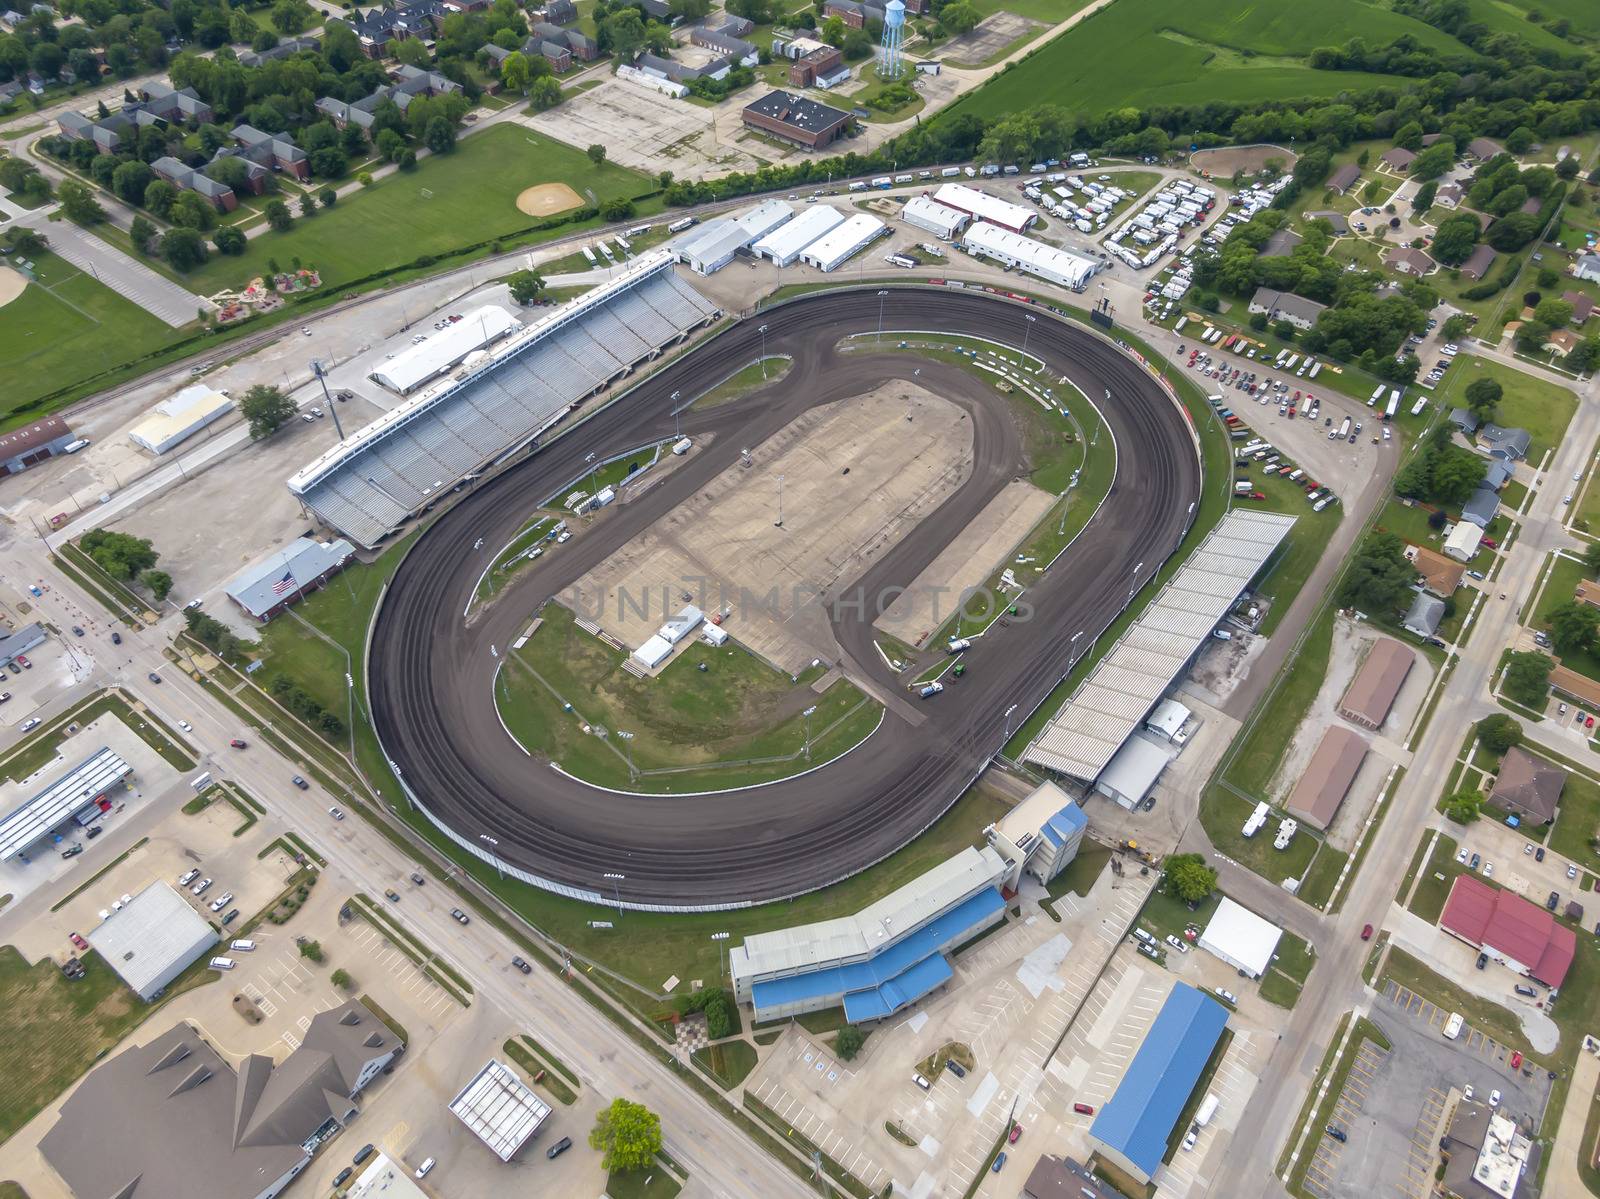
1254,759
1170,52
64,329
655,1183
729,1063
743,381
1577,821
1438,876
1286,574
1542,408
1223,813
1560,584
450,201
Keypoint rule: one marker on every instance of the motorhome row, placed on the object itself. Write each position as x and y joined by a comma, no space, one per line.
987,171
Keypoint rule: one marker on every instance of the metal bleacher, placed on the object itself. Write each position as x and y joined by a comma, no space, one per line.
371,484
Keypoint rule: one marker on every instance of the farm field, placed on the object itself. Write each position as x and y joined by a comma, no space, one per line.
1159,52
64,328
473,198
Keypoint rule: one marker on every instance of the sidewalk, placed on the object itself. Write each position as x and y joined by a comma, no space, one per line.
1569,1149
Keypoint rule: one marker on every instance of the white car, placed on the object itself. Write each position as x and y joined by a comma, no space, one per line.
1494,1098
1576,475
1466,1092
1488,870
1461,856
200,887
186,726
221,901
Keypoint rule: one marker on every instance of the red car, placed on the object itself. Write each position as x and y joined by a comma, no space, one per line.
1016,1131
1516,1060
78,941
1366,933
236,743
1083,1109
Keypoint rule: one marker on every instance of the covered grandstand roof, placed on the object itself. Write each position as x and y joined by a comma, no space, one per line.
415,365
1139,1117
1084,736
1497,919
371,483
53,806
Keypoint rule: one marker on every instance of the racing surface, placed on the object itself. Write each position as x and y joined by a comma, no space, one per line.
431,671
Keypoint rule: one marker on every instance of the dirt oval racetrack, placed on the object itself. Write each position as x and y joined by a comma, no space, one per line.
430,671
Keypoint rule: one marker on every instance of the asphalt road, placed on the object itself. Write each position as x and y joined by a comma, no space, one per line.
430,673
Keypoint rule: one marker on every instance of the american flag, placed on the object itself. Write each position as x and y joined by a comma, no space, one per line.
284,584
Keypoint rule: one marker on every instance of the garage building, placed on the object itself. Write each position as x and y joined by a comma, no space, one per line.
80,793
500,1109
1131,1130
1372,692
838,245
939,219
174,420
1133,771
1321,789
1241,938
1061,267
155,937
784,244
445,348
33,443
981,206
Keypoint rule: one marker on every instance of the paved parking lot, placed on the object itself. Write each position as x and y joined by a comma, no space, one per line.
398,972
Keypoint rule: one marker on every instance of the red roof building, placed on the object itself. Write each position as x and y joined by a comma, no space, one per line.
1519,934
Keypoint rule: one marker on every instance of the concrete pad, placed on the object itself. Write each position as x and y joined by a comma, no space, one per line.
647,131
983,1095
1039,969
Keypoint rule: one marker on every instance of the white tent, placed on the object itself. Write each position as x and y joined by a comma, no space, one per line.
1241,938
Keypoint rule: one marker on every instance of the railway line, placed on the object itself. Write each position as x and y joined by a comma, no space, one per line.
430,673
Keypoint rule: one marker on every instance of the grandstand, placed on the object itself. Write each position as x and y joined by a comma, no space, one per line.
378,478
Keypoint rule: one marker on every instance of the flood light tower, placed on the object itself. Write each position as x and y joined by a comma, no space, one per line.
894,27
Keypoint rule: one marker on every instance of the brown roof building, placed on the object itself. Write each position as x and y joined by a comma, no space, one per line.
1409,261
1478,262
1372,692
1440,575
1398,158
1587,592
1579,686
1582,306
1528,786
1064,1178
1321,789
33,443
1344,178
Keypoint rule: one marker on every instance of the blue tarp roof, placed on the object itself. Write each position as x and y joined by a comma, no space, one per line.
897,959
1161,1077
932,971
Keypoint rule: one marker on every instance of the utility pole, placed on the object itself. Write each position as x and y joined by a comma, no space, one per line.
677,420
627,748
808,713
881,302
779,522
1026,329
616,888
763,331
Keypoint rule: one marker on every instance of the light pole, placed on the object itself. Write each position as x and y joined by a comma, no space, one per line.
881,301
778,524
321,373
1009,713
763,331
616,888
721,939
677,420
627,748
1026,329
808,713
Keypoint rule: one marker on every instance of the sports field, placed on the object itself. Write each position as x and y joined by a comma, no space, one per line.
449,201
1149,53
64,327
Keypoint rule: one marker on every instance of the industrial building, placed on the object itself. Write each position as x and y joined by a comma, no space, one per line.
939,219
174,420
1520,935
1133,771
1012,250
708,248
982,207
171,1119
888,955
1241,938
378,478
1131,1130
1487,1156
839,244
796,120
784,245
1043,832
80,796
1124,686
152,939
445,348
1373,691
1327,777
20,640
33,443
269,585
501,1110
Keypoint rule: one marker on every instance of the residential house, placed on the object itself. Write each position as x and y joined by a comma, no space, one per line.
1481,506
1483,148
556,54
412,81
1502,442
180,106
1336,221
1397,158
1464,420
378,27
1345,178
659,10
1587,267
576,44
1531,206
1587,592
187,178
1528,787
1424,615
1561,342
744,53
1478,262
559,12
495,55
1461,542
741,26
1582,305
285,49
1282,305
1280,244
1449,195
1430,139
1440,576
1408,261
1499,474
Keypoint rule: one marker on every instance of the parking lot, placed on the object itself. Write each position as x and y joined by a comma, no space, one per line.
648,132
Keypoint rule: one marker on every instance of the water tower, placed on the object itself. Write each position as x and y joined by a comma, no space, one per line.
894,28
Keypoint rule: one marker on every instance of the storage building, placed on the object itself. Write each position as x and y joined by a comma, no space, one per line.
270,584
445,348
1372,692
1321,789
33,443
981,206
153,938
1168,720
173,420
1061,267
707,248
765,217
1241,938
785,243
1133,771
838,245
1133,1128
500,1109
939,219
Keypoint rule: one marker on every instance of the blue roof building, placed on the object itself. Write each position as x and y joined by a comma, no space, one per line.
1133,1128
1043,831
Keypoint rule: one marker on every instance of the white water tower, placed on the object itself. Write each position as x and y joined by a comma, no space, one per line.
894,28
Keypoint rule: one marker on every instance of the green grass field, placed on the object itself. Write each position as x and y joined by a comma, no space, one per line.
1542,408
473,198
1157,52
65,327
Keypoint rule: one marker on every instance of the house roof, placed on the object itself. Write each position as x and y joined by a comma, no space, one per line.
31,437
1372,692
1506,442
1478,262
1337,220
1410,259
1587,592
1582,305
1464,419
1321,789
1279,244
1562,341
1579,686
1286,303
1528,784
1483,147
289,570
1498,919
1426,611
1439,574
1481,506
1064,1178
1399,158
1344,177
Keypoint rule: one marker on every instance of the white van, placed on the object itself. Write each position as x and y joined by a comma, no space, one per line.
1452,1026
242,946
222,963
424,1167
1144,936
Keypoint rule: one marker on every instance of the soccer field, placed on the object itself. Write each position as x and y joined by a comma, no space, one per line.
1149,53
449,201
65,327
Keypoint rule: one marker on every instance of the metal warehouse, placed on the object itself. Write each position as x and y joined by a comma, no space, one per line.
705,250
500,1109
836,246
180,417
1132,1129
1241,938
981,206
411,368
269,585
1061,267
939,219
78,792
1086,734
784,244
1133,771
152,939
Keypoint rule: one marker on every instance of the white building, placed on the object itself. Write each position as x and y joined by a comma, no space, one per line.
182,416
384,1179
1462,543
1168,720
707,248
444,348
939,219
1241,938
152,939
835,247
1042,833
1133,771
500,1109
1061,267
981,206
765,217
785,243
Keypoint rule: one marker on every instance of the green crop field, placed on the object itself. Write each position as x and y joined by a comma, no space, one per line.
66,326
1156,52
473,198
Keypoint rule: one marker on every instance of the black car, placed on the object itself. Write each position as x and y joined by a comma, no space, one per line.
954,1067
1550,904
559,1147
363,1153
77,631
301,783
153,677
460,916
93,831
522,965
1336,1133
230,917
1483,960
339,1178
116,638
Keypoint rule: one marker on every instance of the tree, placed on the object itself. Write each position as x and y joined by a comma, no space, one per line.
958,17
130,180
628,1134
342,980
1464,805
1499,733
184,249
526,286
1379,578
1455,327
412,53
1591,557
159,582
327,197
1423,200
328,163
120,555
514,74
1483,398
1456,476
277,213
308,205
596,153
228,240
267,409
290,17
78,203
623,34
1189,878
1573,627
847,1042
440,135
192,212
1454,238
311,950
30,243
619,208
1527,678
159,198
544,94
1532,335
1555,313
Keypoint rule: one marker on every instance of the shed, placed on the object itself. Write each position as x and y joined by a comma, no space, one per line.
1168,719
1241,938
